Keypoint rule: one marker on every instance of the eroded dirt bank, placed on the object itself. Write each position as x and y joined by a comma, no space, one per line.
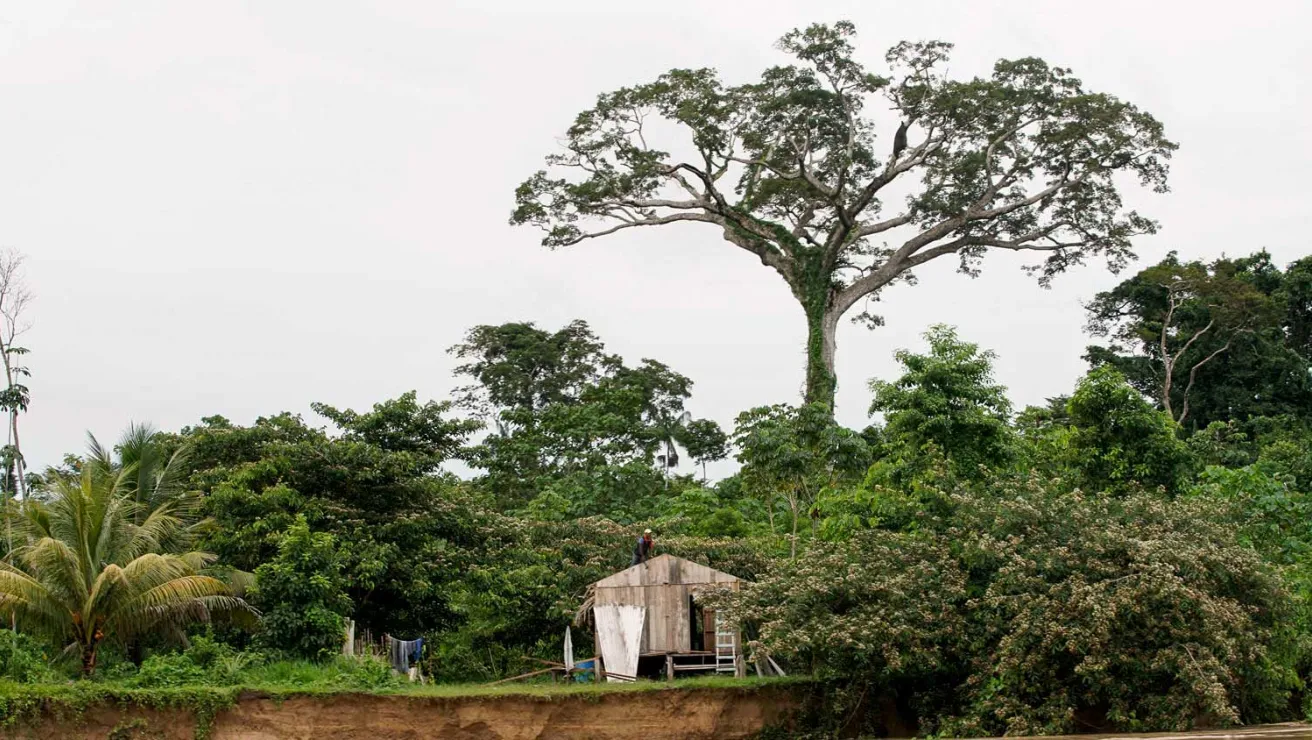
646,715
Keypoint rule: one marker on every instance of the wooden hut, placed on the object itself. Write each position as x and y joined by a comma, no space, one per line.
676,626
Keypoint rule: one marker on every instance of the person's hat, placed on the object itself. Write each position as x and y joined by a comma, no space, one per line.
647,531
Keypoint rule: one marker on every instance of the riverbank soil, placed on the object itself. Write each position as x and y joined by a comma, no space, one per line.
637,715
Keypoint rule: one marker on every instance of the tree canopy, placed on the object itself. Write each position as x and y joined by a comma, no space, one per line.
575,423
791,169
1209,341
946,398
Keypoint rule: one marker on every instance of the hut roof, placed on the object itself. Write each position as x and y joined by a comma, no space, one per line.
666,570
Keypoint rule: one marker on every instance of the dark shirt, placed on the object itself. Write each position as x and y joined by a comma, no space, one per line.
642,550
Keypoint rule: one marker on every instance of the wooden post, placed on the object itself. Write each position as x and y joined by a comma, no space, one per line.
739,661
669,666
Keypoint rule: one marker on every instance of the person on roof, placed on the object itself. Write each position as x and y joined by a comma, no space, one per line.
642,551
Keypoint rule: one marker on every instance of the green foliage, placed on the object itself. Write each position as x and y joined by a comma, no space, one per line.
155,475
707,512
169,671
302,595
1210,342
24,659
209,663
898,494
401,425
91,570
881,608
1118,440
793,454
706,442
377,486
1272,516
571,420
1027,607
947,399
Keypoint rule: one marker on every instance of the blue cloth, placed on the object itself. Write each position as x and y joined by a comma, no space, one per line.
405,652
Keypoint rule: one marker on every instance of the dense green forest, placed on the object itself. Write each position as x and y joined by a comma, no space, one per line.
1088,560
1132,555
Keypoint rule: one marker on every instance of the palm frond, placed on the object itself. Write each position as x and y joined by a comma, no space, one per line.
59,568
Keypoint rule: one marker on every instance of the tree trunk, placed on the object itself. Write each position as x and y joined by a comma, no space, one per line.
792,543
821,345
88,660
793,504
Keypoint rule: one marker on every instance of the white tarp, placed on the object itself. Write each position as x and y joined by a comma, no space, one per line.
569,651
619,630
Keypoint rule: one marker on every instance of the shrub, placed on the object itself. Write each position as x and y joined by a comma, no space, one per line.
302,595
23,659
1118,441
1025,610
169,670
1137,614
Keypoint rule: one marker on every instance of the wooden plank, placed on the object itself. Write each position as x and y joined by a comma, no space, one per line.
666,570
524,675
708,629
682,632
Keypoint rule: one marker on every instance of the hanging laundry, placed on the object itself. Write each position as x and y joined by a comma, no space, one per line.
404,652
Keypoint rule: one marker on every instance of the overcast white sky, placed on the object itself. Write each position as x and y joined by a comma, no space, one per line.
239,208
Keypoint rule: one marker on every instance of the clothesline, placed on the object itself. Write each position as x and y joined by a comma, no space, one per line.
404,652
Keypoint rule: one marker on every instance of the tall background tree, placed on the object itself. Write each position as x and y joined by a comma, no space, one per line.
15,298
790,168
1218,341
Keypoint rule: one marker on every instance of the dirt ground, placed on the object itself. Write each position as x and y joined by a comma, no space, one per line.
648,715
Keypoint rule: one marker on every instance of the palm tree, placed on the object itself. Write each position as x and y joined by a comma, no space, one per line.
92,570
157,478
669,430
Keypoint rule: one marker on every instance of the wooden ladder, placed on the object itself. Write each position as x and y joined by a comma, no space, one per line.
726,647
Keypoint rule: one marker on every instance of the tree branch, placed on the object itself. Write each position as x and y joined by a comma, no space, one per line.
1193,372
1016,205
653,221
882,226
909,255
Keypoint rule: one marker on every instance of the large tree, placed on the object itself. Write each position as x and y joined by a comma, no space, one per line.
790,169
406,527
1209,341
572,421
